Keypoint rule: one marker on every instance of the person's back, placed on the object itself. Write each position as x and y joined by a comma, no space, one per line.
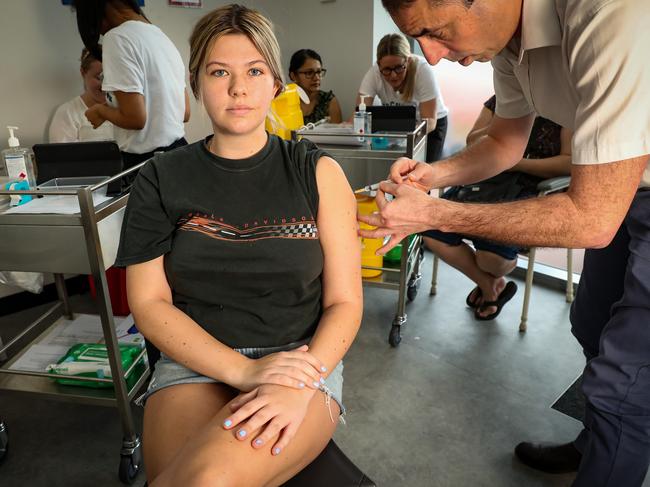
140,58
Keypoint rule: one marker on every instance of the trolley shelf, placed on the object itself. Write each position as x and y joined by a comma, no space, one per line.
46,388
21,381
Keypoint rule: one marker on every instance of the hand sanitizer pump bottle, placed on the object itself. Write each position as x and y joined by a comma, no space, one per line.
19,161
363,121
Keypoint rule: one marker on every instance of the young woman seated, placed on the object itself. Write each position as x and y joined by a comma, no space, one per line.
243,269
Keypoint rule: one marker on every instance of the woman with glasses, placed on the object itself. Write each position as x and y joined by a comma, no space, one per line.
402,78
306,70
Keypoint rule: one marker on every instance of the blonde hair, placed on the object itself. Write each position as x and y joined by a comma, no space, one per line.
397,45
87,59
233,19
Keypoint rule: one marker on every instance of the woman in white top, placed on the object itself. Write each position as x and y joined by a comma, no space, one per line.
144,78
70,123
402,78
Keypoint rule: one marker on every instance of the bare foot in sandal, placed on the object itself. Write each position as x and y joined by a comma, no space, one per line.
490,294
494,300
473,299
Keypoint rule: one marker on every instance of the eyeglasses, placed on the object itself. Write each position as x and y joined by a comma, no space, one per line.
310,73
395,69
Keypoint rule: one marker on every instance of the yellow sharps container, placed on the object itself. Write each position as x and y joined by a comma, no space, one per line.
366,205
285,114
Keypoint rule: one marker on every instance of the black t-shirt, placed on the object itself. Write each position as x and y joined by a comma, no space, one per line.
241,247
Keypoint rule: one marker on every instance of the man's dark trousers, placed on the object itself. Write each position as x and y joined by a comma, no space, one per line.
611,319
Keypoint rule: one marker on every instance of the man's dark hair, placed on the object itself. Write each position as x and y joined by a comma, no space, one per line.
90,14
299,58
395,5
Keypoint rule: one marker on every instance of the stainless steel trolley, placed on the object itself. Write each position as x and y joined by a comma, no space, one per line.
363,166
81,243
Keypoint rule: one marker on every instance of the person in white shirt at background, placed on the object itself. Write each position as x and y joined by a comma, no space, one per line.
144,78
402,78
69,123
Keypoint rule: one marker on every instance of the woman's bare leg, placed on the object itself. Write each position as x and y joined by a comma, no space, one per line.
175,414
215,457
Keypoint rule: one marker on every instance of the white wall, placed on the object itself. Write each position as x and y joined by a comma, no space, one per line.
382,25
39,51
464,89
342,33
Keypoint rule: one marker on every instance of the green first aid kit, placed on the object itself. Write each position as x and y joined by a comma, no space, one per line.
91,360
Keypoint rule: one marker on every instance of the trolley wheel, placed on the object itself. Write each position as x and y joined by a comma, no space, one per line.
4,440
394,336
411,293
130,467
413,286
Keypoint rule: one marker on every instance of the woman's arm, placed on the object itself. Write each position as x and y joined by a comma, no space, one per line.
179,337
428,112
550,167
342,293
334,111
480,127
131,112
171,330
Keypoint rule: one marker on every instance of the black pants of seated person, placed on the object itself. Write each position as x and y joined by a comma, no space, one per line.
130,159
436,140
330,469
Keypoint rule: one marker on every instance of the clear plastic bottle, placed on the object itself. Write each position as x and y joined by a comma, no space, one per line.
362,123
18,162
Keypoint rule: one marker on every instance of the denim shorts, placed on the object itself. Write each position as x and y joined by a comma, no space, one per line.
455,239
167,373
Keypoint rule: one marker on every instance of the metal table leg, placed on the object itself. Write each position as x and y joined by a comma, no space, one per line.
62,292
130,453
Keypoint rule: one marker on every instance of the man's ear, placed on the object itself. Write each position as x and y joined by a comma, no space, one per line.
292,77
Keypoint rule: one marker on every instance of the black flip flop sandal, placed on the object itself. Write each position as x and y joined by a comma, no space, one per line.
477,298
506,295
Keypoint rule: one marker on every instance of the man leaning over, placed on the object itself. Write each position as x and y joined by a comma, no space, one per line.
580,64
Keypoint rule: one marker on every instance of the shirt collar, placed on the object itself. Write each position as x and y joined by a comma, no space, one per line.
540,26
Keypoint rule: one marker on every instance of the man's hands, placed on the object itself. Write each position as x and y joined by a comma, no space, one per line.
297,369
414,173
409,211
266,412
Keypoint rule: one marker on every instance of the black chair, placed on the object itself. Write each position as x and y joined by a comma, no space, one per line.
332,468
